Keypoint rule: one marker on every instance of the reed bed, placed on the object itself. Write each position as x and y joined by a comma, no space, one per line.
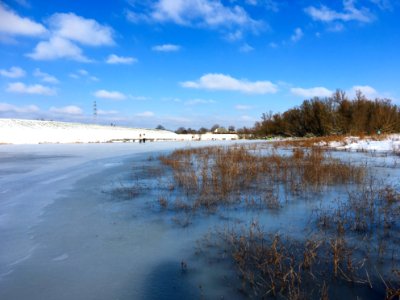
212,176
278,267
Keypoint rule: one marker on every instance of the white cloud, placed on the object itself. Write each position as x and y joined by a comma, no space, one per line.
145,114
234,36
57,48
113,95
66,110
166,48
242,107
13,24
269,4
13,72
227,83
45,77
366,90
115,59
78,29
101,112
246,48
311,92
198,101
198,13
82,73
6,107
350,13
384,4
66,30
139,98
297,35
35,89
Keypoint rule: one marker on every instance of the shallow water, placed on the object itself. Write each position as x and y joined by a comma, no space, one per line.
68,231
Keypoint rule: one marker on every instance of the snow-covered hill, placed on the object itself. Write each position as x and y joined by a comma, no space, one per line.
14,131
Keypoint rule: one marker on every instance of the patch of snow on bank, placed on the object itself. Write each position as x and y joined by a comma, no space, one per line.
390,143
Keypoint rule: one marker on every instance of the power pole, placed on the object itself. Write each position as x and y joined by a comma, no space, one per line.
94,112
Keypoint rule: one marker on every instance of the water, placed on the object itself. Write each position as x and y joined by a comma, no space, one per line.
67,231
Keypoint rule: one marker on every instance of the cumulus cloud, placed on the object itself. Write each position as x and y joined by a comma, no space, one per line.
66,110
78,29
115,59
66,31
311,92
349,13
227,83
6,107
166,48
113,95
57,48
45,77
366,90
13,72
197,13
12,24
297,35
145,114
82,73
35,89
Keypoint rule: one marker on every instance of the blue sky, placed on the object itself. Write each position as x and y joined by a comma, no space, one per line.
191,63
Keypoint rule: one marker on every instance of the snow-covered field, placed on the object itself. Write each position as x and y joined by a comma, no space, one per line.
14,131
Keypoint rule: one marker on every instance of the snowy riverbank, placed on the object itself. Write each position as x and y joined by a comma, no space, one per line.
389,143
14,131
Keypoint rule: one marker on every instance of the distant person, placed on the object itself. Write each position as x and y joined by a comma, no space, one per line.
140,138
144,138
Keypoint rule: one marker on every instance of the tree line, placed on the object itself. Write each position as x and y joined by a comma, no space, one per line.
332,115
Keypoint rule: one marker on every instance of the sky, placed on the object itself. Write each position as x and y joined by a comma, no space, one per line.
191,63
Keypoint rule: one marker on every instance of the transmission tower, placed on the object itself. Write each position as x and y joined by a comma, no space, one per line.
94,111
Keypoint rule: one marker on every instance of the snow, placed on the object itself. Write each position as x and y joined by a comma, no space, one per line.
14,131
390,143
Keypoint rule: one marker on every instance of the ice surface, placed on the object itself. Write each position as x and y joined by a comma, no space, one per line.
62,236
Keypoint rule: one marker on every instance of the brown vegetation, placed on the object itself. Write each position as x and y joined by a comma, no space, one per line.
212,176
332,116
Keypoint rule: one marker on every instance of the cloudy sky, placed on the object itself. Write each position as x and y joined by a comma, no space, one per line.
191,63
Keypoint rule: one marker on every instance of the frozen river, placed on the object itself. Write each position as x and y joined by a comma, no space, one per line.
63,237
68,231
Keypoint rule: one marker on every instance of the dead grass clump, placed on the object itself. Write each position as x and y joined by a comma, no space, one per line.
274,266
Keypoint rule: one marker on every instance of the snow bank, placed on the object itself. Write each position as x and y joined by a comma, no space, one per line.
14,131
388,143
